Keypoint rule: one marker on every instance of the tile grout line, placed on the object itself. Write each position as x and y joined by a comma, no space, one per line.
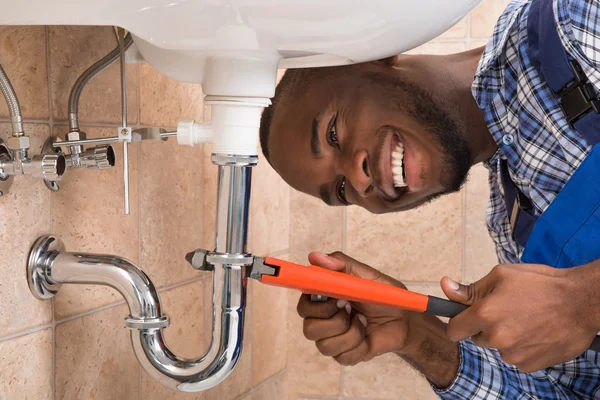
25,332
344,230
90,124
279,253
179,284
254,389
112,305
203,193
89,312
53,372
139,204
203,175
52,199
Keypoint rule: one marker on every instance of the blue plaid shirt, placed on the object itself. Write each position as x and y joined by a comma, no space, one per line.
542,152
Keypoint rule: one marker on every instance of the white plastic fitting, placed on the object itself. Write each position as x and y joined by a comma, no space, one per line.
190,133
234,127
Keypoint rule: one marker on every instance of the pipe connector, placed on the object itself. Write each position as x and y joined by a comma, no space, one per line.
17,125
75,135
190,133
100,157
147,323
19,146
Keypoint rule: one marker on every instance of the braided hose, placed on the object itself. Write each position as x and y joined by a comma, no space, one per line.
13,103
92,71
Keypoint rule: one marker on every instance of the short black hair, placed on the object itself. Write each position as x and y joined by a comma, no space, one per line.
294,82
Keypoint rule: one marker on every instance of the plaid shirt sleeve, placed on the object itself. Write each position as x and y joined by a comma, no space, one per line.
482,375
580,33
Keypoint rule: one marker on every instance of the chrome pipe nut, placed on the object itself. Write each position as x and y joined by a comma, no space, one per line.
18,142
75,135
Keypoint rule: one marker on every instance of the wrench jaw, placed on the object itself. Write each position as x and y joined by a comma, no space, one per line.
260,267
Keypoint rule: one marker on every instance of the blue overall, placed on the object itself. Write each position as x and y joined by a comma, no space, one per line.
567,233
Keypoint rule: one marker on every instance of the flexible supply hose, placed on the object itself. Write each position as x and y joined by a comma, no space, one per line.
92,71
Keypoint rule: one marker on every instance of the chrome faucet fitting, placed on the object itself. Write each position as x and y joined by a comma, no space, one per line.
50,167
100,157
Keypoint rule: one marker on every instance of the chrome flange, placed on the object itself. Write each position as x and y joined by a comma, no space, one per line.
41,255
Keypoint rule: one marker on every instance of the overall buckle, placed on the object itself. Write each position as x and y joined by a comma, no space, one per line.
578,98
522,203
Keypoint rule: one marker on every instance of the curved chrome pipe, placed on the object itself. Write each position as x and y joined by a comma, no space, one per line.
88,74
50,266
189,375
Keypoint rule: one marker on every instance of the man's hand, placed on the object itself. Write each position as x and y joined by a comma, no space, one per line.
357,332
352,334
534,315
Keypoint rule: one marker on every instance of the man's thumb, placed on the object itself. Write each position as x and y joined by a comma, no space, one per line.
340,262
326,261
458,293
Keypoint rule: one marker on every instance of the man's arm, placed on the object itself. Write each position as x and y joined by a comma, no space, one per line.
429,350
456,371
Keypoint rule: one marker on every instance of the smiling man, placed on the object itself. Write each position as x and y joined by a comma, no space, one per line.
387,136
394,134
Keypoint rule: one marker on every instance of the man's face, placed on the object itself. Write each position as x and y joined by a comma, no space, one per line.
340,139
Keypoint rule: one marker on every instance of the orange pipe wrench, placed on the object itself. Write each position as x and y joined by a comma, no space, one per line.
320,281
323,282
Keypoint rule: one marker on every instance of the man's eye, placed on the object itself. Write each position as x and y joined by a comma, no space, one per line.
332,136
341,192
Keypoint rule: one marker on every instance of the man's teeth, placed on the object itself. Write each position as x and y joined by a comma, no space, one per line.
398,165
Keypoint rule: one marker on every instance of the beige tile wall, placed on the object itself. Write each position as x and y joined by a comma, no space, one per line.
75,346
398,245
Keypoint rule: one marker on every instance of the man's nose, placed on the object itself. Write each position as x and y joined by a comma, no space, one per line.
359,174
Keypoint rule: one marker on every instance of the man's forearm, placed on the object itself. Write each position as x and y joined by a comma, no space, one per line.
429,351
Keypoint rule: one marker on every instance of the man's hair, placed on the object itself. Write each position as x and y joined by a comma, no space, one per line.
293,83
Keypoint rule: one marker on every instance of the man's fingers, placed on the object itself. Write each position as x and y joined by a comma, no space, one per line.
312,309
354,356
348,340
468,323
319,329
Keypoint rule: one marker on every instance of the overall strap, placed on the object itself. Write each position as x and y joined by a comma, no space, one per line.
577,98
